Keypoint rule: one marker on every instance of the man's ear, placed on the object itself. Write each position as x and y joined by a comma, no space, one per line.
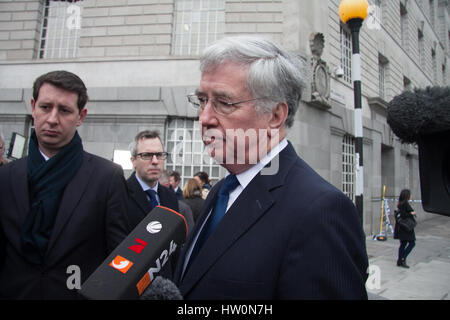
32,102
133,159
82,115
279,116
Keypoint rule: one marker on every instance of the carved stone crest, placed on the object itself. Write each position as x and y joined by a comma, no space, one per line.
320,84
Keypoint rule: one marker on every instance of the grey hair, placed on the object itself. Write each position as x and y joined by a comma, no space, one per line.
146,134
272,72
164,178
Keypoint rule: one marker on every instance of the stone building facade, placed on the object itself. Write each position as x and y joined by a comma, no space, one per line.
139,60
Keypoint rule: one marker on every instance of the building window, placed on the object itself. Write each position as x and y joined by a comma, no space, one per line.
348,166
379,10
346,54
404,25
432,13
421,44
434,66
444,75
407,86
197,24
382,73
60,30
187,153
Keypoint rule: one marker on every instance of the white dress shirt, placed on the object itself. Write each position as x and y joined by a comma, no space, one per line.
145,187
244,179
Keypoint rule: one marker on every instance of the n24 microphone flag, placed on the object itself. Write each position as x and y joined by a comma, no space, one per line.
139,258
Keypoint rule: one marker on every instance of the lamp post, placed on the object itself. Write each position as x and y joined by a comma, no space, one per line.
353,13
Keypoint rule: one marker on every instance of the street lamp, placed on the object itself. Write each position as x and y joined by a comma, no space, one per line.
353,13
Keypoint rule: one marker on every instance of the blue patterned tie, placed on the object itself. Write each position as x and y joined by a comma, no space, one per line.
153,201
230,183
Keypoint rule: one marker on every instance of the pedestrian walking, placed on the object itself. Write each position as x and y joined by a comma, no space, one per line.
402,232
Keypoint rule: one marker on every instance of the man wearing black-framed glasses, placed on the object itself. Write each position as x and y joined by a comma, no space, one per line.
273,228
147,157
144,190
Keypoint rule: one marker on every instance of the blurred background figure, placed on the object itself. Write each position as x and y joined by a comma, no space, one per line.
174,181
2,150
192,194
184,209
203,178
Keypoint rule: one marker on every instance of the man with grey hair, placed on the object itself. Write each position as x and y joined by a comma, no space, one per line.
144,190
147,157
273,228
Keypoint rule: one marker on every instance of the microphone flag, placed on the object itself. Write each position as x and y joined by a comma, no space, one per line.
139,258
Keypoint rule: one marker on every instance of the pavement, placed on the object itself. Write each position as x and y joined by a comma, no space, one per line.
428,277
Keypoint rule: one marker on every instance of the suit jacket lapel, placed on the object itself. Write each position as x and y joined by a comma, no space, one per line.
207,206
239,218
71,197
137,194
254,201
162,195
19,185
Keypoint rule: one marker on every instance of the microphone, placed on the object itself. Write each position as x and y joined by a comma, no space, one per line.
139,258
161,289
422,112
423,117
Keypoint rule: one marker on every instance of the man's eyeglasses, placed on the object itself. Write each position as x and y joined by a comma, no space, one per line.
220,105
150,155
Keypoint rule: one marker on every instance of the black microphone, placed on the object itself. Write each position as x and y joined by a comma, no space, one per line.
423,117
422,112
161,289
139,258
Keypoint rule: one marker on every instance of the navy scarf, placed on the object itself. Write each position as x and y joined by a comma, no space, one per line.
46,183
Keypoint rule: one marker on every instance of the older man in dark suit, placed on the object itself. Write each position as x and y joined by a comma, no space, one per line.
273,228
62,210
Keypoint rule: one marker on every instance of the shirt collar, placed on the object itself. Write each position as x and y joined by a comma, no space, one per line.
245,177
43,154
145,186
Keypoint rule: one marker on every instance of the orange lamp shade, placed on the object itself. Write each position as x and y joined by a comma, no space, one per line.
351,9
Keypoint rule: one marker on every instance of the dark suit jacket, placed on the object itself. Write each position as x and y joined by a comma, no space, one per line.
290,235
179,194
138,204
196,204
90,223
139,207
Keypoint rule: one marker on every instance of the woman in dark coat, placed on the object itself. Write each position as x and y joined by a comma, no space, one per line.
407,238
192,195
